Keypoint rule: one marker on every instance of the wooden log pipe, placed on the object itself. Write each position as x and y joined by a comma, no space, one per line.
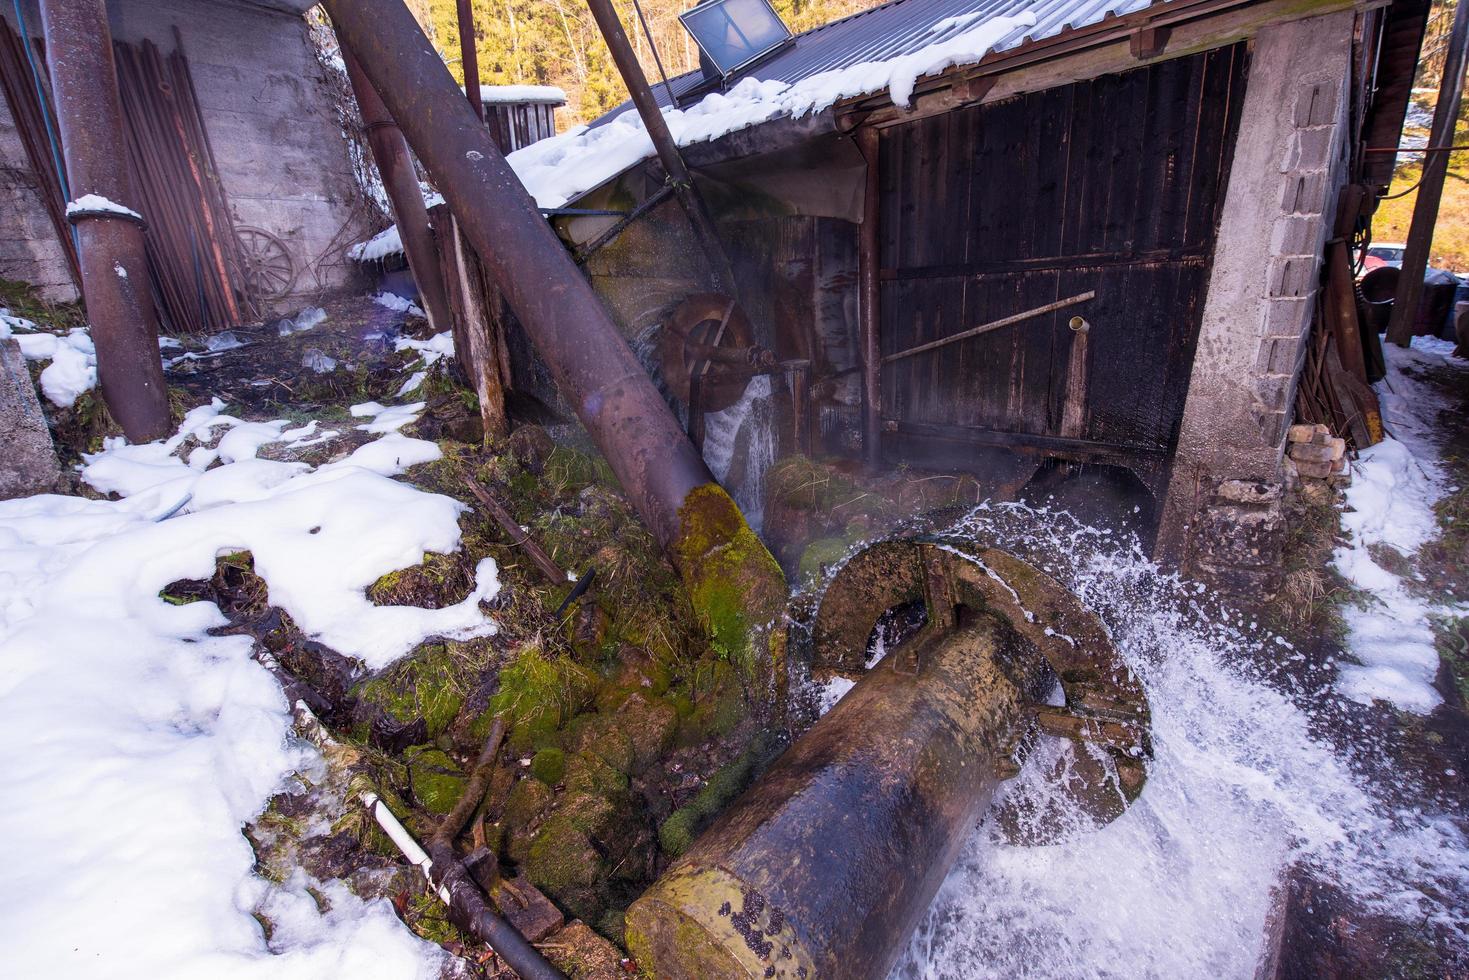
825,866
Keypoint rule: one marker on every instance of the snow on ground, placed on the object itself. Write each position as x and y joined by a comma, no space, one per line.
437,346
396,303
73,368
1390,504
136,744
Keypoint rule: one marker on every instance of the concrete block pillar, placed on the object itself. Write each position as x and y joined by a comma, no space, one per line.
1289,161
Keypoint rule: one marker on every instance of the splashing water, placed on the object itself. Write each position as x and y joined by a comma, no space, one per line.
744,432
1240,788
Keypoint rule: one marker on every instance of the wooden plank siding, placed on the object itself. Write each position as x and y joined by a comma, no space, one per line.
1113,185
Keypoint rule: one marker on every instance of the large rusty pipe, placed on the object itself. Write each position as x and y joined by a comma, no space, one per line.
400,180
825,866
115,281
593,366
679,177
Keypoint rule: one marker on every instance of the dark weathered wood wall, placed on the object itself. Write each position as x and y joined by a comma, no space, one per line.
1113,185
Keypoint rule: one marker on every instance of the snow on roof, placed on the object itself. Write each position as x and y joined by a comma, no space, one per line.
891,49
548,94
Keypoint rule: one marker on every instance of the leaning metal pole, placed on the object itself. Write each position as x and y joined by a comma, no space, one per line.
115,282
401,183
732,580
1430,188
678,174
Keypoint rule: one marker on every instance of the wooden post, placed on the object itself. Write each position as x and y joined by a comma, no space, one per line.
870,323
1430,188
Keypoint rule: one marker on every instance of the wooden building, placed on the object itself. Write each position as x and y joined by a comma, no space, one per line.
1166,172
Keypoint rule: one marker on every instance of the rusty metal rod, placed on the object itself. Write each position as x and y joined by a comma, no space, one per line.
591,362
693,203
115,280
1430,187
400,180
518,535
869,301
984,328
469,57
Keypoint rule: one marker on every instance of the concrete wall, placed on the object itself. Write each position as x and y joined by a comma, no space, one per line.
29,250
264,98
1220,517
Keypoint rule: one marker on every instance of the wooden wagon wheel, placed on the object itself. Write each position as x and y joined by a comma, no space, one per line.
269,270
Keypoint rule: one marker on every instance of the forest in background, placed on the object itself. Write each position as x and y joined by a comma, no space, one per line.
556,42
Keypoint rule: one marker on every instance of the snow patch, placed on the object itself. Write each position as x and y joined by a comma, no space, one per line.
1390,505
73,368
96,202
491,94
116,703
397,304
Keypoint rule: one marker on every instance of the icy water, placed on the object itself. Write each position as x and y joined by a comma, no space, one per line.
1240,788
744,434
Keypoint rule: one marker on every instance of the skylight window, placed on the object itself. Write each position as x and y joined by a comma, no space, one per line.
734,33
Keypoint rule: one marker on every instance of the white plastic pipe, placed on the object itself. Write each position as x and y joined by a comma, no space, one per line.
400,836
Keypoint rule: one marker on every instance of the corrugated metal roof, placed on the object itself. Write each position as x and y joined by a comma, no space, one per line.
901,27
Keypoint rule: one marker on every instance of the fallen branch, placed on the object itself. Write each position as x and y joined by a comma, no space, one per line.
518,535
474,790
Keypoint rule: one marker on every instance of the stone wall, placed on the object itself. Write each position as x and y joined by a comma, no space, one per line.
264,98
29,250
1221,516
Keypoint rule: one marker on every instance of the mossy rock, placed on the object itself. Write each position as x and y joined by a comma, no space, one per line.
436,782
528,799
614,747
548,765
737,589
649,723
684,824
717,709
588,773
423,686
564,864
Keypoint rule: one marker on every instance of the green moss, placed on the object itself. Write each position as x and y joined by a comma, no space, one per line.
538,694
439,580
436,782
548,765
426,685
677,832
735,585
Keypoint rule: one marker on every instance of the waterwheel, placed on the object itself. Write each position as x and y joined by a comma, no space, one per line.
268,267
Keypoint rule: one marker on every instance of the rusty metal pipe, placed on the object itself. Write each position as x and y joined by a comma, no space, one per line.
592,363
400,180
631,71
115,281
824,867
